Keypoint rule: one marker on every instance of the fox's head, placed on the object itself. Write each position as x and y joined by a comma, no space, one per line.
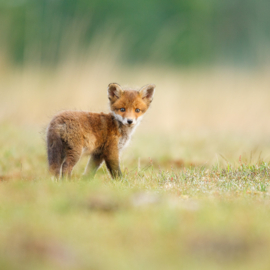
129,106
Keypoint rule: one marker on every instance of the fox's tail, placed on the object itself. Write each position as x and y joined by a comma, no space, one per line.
55,151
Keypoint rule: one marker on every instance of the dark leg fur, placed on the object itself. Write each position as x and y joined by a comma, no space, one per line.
114,168
112,160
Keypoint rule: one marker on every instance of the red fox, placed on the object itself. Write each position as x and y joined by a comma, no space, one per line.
102,136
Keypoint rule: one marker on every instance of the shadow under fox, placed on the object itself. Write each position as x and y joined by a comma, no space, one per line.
102,136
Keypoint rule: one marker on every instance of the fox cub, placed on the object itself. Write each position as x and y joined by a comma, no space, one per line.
102,136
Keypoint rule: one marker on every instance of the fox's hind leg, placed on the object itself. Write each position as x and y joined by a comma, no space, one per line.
71,158
93,164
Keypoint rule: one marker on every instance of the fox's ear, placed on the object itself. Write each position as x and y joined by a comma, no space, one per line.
147,92
114,91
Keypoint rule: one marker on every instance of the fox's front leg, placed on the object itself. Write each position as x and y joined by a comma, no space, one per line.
93,164
112,160
113,167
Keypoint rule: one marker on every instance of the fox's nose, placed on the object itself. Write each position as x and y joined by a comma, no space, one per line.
130,121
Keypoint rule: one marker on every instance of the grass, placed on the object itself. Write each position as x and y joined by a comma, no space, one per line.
195,192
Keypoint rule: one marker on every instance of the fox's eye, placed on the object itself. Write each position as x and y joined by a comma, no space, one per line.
137,110
122,109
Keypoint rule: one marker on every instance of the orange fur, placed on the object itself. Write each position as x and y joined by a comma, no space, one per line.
102,136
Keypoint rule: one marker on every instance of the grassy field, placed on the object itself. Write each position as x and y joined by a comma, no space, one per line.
195,191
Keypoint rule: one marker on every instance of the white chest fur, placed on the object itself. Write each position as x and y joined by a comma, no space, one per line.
126,136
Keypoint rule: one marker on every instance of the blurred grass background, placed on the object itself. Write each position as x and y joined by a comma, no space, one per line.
158,32
195,192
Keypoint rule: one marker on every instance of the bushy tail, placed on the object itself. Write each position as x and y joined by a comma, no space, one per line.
55,151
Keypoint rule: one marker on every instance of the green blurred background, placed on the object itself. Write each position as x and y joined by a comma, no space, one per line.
174,32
